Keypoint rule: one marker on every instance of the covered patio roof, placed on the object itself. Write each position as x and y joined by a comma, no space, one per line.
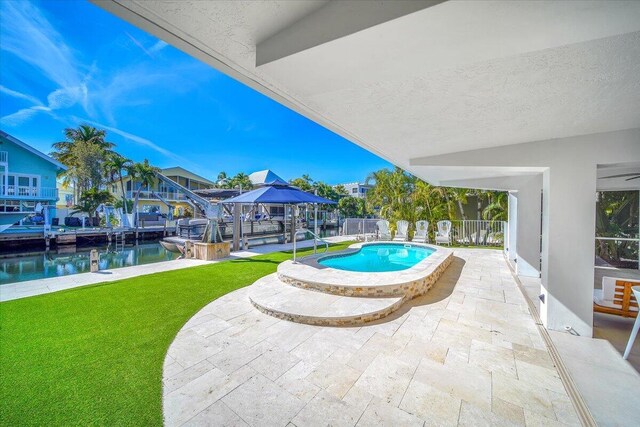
535,97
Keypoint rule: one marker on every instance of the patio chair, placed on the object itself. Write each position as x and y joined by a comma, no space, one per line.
422,232
383,230
402,231
616,297
636,325
443,235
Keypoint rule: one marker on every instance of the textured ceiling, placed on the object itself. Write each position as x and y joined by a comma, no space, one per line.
453,77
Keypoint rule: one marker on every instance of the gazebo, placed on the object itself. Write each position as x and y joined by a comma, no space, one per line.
286,195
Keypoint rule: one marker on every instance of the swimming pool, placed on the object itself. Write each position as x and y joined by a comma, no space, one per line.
379,257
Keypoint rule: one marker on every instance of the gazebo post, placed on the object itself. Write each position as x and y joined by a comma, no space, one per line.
237,209
284,223
315,224
293,223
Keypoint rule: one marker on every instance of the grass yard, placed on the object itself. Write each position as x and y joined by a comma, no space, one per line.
93,355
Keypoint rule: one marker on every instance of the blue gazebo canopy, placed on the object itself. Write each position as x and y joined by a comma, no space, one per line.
278,194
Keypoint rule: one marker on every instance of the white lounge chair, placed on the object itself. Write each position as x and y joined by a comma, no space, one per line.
421,234
383,230
443,235
402,231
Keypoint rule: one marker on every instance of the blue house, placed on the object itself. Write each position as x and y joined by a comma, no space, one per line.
27,178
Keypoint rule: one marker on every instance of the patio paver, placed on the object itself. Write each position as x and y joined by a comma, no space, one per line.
467,353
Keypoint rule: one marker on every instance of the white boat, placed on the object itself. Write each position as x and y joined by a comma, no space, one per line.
7,219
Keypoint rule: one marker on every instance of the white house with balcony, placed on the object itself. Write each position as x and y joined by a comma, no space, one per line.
356,189
27,177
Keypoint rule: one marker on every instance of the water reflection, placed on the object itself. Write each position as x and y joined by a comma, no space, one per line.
66,261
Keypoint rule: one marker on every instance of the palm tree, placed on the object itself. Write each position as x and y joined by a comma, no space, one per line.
497,209
66,153
221,181
242,181
114,166
145,175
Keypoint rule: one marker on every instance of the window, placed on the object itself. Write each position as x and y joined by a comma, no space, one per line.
276,211
354,190
617,234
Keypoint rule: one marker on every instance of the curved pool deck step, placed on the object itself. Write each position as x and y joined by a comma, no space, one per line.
275,298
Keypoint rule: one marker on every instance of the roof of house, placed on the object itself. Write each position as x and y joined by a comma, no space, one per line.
31,149
266,177
180,171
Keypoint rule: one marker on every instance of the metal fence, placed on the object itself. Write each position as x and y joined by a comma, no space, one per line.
360,227
463,232
478,232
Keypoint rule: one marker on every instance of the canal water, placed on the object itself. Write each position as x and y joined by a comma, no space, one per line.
66,260
71,260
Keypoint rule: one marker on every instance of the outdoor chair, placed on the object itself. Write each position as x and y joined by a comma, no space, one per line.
443,235
616,297
383,230
421,234
402,231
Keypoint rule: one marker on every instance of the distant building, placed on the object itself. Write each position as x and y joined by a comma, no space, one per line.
266,177
155,199
356,189
27,177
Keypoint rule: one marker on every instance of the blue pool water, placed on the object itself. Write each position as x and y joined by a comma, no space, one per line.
379,257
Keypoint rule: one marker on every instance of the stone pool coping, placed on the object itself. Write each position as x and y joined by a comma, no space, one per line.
414,281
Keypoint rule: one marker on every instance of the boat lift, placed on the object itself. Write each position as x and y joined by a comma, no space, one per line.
210,211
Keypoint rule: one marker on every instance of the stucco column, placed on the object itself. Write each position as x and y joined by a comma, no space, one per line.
568,247
528,227
512,235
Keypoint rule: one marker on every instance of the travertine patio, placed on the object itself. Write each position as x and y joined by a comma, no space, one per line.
467,353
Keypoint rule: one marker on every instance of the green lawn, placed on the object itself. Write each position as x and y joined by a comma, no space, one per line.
94,355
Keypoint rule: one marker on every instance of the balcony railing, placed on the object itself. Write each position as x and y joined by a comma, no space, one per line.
27,192
171,196
4,156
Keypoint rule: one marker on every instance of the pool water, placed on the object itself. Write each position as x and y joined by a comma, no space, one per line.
14,268
379,257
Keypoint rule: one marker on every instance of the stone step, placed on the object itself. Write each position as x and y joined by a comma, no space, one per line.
278,299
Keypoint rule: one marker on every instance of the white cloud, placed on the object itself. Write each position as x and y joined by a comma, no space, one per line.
22,115
28,35
158,46
20,95
136,139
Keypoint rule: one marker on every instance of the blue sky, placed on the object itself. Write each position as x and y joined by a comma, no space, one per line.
68,62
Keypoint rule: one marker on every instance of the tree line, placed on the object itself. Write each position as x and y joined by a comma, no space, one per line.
92,163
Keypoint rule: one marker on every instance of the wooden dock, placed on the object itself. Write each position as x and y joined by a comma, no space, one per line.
78,236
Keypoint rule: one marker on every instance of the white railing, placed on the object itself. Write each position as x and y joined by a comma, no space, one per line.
463,232
478,232
151,195
4,157
24,191
316,239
